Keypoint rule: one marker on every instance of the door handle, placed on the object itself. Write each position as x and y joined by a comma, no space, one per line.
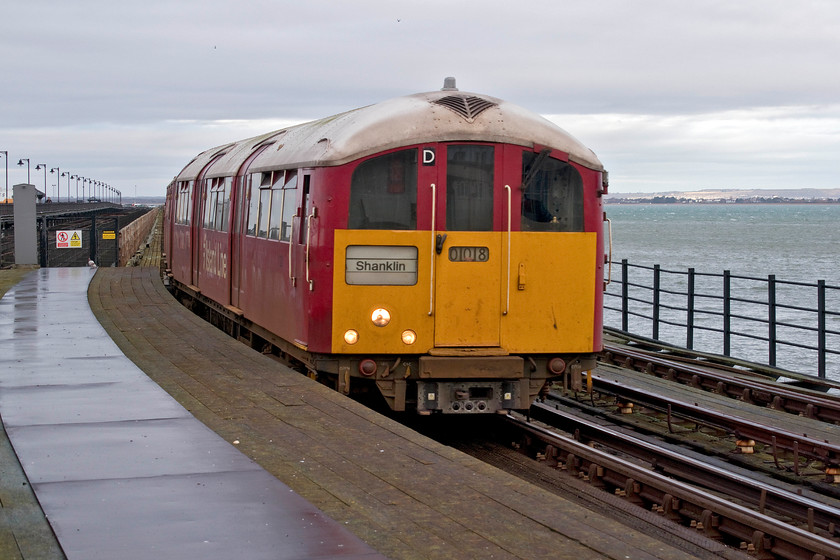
440,240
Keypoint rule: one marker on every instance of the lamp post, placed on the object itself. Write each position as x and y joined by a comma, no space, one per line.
77,186
69,198
20,162
83,189
37,167
57,183
6,159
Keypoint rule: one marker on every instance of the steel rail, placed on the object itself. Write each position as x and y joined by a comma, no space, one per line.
799,444
760,494
743,367
759,533
811,404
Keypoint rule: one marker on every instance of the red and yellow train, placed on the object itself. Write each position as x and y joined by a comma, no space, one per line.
446,246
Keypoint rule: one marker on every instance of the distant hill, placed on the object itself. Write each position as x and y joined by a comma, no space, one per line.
729,195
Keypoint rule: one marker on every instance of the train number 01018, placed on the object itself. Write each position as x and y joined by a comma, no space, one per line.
469,254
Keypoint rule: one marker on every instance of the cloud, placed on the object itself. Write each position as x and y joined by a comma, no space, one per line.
761,147
665,92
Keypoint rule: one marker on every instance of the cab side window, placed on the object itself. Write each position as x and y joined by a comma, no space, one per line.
552,195
383,192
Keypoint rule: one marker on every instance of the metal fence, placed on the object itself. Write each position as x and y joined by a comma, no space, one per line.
97,230
792,325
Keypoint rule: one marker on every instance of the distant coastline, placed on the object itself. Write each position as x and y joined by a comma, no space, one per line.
751,200
733,196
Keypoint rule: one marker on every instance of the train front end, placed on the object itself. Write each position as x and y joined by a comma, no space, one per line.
470,271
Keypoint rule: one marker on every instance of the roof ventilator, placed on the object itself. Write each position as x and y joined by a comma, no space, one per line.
468,107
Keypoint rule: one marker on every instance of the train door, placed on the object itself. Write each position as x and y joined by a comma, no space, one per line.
299,259
468,248
240,195
195,230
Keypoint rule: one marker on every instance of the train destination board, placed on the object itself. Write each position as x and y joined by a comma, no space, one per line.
375,265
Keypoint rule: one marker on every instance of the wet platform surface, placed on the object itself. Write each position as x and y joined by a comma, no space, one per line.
114,463
404,494
120,468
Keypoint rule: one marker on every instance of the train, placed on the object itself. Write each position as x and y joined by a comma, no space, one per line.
445,250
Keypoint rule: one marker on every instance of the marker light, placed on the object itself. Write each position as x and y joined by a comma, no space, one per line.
351,337
380,317
367,367
409,336
557,366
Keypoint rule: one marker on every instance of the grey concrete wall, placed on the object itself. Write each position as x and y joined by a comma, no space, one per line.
26,230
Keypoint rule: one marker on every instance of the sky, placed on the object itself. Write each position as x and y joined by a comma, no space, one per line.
672,95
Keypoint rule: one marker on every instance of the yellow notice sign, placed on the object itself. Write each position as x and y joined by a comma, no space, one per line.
68,239
109,235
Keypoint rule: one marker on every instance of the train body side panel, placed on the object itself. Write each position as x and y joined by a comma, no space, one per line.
552,293
181,253
213,265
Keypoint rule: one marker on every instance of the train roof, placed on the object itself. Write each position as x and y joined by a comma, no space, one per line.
440,116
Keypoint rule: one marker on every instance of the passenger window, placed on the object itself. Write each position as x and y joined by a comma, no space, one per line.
552,195
289,192
265,205
383,193
254,203
223,203
276,205
184,205
209,203
469,188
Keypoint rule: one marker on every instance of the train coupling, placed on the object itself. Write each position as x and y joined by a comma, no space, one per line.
469,397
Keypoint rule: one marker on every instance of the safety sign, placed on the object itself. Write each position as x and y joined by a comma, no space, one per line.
68,239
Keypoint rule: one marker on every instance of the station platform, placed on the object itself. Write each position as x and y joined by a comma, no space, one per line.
88,361
121,469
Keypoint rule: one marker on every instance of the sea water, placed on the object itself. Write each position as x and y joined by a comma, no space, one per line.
797,243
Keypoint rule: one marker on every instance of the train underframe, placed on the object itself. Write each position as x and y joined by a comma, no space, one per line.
450,381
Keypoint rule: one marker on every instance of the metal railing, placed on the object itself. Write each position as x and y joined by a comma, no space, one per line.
793,325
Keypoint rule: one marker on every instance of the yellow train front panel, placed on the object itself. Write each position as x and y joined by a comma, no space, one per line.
518,293
381,270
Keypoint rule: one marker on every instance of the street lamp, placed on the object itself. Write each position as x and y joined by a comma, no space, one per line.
69,198
6,159
77,186
20,162
57,183
37,167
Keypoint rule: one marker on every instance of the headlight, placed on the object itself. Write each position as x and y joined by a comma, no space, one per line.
409,337
380,317
351,337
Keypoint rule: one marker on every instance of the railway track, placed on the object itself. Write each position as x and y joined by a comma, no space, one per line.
732,382
777,439
757,531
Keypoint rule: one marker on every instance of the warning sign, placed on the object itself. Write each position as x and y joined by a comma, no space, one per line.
109,235
68,239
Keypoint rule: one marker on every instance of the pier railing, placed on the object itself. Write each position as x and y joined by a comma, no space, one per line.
792,325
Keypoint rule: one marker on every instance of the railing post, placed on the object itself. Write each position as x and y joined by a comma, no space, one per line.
821,327
625,300
771,319
689,319
656,280
727,313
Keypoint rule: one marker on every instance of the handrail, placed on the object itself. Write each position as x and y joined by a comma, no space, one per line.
312,214
609,255
764,320
432,261
292,278
507,302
